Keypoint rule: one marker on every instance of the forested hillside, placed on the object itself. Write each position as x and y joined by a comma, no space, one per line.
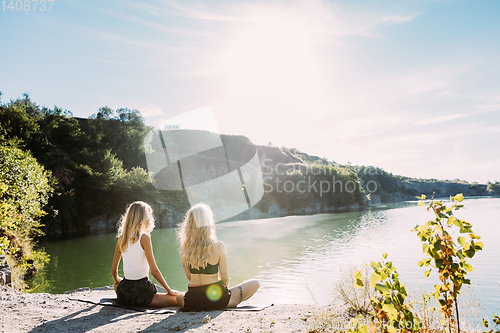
96,166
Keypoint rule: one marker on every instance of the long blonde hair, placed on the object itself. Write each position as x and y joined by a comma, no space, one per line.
196,242
137,219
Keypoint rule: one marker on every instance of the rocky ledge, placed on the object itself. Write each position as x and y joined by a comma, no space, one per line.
20,312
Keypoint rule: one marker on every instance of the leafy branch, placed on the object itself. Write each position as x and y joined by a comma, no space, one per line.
390,307
445,255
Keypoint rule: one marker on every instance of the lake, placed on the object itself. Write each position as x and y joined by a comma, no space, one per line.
298,259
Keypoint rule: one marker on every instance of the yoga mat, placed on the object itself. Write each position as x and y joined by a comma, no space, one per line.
110,301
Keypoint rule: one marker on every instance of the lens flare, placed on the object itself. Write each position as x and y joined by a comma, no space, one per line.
214,293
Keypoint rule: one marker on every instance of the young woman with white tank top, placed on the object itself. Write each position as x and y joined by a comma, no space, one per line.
134,245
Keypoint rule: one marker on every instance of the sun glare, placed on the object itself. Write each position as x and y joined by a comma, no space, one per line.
273,60
273,80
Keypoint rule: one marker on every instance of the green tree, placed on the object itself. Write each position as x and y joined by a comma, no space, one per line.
17,124
123,133
28,187
97,164
24,190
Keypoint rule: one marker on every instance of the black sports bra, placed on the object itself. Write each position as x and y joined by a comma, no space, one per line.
209,269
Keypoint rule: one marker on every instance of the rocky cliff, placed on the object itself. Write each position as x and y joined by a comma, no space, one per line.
309,185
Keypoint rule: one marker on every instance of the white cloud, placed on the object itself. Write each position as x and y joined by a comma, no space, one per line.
440,119
150,110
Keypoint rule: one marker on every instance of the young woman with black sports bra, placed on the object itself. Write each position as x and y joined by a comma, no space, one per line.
204,260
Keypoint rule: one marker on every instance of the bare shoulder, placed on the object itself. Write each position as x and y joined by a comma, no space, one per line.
145,240
220,247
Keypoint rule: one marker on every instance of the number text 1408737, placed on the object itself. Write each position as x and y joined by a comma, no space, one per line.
27,5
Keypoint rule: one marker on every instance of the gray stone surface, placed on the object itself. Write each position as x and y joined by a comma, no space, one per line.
5,273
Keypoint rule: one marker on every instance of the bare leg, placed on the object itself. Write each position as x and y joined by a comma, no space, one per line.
242,292
162,300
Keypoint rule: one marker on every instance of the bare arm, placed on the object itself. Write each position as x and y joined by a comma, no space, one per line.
148,249
224,270
114,267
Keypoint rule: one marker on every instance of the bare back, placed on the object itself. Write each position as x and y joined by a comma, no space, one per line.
216,256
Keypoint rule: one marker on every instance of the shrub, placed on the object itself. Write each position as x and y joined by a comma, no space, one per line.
24,189
445,255
357,300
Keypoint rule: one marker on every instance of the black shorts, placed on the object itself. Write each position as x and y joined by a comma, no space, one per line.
213,296
135,292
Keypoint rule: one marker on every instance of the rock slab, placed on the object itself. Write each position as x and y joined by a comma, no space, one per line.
5,273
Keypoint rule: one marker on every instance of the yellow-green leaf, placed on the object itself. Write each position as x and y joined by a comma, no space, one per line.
390,309
375,278
421,203
359,284
422,228
381,287
459,197
359,280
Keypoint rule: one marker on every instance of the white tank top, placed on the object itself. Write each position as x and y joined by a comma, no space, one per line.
135,264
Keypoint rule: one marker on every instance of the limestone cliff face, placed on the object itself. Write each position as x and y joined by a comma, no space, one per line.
165,217
438,189
304,198
275,163
276,156
443,189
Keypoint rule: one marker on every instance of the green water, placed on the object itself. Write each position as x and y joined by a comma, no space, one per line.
297,258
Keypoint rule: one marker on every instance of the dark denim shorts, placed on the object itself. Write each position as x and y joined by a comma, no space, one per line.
135,292
213,296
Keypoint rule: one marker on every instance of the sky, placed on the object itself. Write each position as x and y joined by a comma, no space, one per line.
409,86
